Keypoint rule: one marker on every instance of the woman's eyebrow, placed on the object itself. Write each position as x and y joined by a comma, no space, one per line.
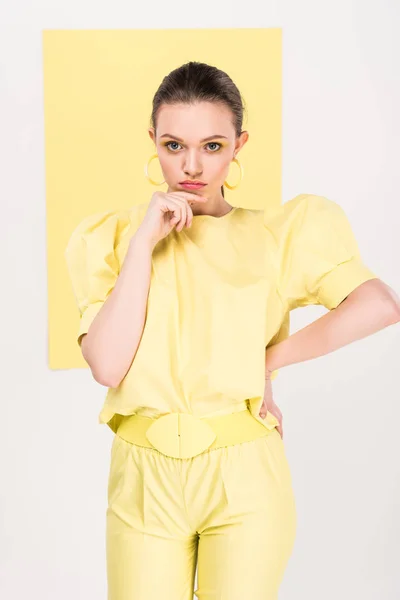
210,137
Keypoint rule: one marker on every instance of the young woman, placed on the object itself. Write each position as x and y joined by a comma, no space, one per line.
184,304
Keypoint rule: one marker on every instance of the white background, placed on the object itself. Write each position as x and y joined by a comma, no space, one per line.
341,131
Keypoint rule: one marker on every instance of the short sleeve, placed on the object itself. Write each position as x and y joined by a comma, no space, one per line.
319,258
92,262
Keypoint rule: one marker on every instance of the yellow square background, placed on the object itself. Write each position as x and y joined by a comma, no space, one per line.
98,90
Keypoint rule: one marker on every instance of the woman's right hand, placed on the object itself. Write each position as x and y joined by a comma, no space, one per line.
167,210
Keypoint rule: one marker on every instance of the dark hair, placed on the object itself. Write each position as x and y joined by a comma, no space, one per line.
195,82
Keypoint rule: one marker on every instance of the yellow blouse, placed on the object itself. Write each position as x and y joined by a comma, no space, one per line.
221,291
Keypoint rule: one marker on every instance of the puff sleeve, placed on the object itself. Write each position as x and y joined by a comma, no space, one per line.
319,258
92,262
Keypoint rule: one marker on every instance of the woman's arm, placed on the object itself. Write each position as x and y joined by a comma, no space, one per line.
372,306
111,343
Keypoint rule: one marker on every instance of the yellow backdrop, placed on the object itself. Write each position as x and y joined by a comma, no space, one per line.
98,89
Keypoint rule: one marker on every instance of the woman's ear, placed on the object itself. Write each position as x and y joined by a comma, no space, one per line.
242,139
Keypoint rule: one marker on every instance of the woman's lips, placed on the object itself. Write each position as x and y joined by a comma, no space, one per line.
193,186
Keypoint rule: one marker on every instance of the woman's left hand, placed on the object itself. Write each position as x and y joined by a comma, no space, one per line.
269,405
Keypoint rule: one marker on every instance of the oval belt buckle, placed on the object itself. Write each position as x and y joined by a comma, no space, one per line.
180,435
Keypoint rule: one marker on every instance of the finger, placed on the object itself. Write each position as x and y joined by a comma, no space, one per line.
189,216
184,217
176,209
263,409
189,196
187,213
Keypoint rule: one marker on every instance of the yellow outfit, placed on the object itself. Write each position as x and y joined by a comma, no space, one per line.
221,291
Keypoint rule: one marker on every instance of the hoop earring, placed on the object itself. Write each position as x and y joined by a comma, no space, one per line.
146,170
233,187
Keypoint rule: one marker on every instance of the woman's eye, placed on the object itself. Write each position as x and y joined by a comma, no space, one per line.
169,143
214,144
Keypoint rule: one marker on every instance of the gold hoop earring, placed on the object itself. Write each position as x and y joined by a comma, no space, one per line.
146,170
233,187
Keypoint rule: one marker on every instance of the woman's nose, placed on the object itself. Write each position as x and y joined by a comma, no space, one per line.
192,165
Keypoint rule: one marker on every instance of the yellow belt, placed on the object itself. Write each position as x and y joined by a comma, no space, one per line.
183,435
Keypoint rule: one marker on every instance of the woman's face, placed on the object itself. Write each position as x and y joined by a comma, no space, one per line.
196,142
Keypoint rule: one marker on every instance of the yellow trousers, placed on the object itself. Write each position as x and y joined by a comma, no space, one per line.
229,511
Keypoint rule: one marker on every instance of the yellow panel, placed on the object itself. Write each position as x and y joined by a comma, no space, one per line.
98,90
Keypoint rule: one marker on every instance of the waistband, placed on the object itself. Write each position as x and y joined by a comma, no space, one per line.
183,435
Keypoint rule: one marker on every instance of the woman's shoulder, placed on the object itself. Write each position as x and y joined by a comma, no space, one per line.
301,203
304,213
296,215
107,227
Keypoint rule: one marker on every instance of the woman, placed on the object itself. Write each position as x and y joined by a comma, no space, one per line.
184,304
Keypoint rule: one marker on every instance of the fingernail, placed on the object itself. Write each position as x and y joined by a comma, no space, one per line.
262,415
